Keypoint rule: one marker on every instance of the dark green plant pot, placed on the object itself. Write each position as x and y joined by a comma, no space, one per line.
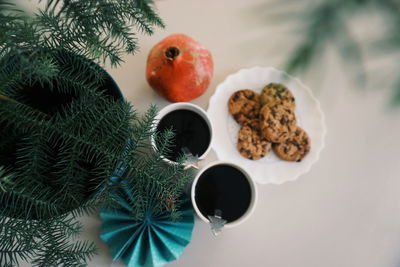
50,102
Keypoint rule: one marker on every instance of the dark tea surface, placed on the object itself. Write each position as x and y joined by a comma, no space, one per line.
225,188
191,131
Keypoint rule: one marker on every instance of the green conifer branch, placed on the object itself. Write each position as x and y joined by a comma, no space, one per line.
80,145
325,24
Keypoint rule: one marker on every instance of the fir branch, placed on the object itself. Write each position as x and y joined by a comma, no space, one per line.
325,24
321,26
103,28
98,30
11,250
17,241
31,162
55,248
31,201
155,185
65,159
5,179
44,243
145,167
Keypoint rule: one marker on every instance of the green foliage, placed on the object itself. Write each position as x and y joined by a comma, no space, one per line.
325,24
47,241
75,151
5,179
98,30
152,182
58,162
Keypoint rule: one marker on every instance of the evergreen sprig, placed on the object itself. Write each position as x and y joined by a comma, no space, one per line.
48,242
59,163
99,30
107,134
326,24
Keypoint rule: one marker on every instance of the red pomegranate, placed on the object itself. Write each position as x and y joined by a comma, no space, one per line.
179,68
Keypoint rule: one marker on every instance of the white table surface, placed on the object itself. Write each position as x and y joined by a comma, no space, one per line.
346,211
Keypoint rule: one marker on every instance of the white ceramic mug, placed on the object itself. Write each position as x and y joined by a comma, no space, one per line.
253,189
184,106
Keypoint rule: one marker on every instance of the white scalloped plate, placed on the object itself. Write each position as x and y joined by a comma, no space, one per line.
270,169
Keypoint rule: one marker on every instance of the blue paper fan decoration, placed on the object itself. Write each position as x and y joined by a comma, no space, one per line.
153,241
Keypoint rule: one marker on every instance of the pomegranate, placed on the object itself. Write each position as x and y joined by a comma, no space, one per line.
179,68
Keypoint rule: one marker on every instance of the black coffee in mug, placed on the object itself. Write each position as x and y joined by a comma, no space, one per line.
225,188
191,132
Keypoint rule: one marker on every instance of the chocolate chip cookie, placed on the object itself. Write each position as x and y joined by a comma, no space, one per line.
244,106
295,148
277,122
277,94
251,144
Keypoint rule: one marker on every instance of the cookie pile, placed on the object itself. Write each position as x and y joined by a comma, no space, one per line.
268,121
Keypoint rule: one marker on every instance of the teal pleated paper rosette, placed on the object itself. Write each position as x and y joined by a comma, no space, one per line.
152,241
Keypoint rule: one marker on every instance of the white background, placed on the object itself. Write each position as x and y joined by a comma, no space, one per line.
346,211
